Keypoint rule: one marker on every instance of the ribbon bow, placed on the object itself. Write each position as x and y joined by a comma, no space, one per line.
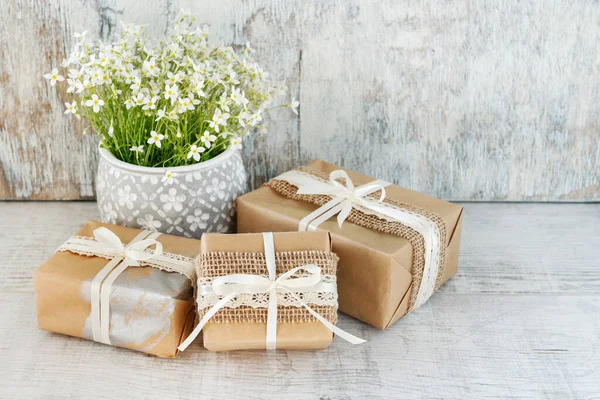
230,286
109,245
344,198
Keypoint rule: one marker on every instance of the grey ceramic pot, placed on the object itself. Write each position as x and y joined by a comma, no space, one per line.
197,198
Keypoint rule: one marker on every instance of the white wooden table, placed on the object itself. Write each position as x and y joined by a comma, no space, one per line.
521,319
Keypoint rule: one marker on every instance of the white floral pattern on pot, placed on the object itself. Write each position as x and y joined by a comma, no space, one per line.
185,201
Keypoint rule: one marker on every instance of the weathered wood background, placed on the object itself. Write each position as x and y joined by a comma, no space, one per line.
464,100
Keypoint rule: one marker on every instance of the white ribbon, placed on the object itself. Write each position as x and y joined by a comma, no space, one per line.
108,245
230,286
346,197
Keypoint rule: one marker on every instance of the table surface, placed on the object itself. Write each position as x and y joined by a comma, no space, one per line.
521,319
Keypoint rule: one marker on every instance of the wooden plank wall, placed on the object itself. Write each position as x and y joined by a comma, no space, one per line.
465,100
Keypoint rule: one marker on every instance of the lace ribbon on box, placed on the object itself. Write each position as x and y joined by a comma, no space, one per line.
106,244
253,307
367,206
270,278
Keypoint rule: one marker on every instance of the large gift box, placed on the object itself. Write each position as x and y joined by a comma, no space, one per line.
120,286
396,246
267,291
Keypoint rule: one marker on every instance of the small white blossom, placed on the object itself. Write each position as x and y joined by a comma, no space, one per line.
184,105
80,36
129,103
195,152
256,118
111,130
137,149
236,143
219,119
294,105
161,114
150,68
54,77
95,103
156,138
207,139
71,108
171,92
140,99
169,177
172,78
150,103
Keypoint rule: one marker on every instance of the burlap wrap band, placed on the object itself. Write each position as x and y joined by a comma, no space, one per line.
379,223
216,264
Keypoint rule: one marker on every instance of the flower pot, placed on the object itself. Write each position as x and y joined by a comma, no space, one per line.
195,199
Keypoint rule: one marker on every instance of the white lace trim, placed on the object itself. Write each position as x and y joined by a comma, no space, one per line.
169,262
261,300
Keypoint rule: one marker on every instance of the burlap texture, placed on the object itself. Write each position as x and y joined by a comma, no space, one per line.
380,224
215,264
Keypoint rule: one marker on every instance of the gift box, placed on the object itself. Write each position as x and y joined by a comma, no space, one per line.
267,291
396,246
120,286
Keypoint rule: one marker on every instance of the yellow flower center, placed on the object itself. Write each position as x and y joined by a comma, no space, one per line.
95,101
54,76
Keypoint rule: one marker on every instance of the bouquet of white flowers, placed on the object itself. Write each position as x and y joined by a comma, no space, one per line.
178,103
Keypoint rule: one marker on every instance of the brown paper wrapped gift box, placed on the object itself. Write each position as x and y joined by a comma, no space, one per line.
151,310
245,328
375,272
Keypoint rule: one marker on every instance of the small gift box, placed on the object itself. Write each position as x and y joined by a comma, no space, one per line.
120,286
267,291
396,246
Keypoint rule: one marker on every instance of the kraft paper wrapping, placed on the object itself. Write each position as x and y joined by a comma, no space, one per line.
251,335
151,310
375,268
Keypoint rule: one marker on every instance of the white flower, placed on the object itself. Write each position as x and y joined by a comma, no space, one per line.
129,103
236,143
80,36
126,197
174,78
256,118
207,139
171,92
173,115
155,138
184,105
169,177
111,130
71,108
95,103
217,188
195,152
198,220
72,85
294,105
149,223
150,103
219,119
150,67
178,135
54,76
242,117
137,149
172,201
161,114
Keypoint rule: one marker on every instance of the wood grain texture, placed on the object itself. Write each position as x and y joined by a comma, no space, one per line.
520,320
463,100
